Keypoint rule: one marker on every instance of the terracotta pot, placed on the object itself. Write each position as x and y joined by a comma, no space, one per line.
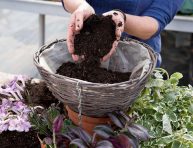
88,123
43,145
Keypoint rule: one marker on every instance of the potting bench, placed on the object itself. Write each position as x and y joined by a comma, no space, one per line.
43,8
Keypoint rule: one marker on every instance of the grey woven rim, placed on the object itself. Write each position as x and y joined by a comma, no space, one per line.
96,99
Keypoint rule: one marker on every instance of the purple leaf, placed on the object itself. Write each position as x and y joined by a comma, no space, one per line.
70,136
139,132
80,133
79,143
116,120
58,123
104,144
104,131
121,141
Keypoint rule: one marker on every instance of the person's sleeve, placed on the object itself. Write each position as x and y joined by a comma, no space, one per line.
163,11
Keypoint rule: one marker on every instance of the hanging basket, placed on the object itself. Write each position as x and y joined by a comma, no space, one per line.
97,99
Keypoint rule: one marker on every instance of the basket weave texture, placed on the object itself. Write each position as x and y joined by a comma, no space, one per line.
96,99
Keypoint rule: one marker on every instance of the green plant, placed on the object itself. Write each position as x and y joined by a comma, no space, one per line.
166,110
51,124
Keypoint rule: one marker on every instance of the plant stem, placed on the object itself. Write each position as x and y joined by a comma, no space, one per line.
54,140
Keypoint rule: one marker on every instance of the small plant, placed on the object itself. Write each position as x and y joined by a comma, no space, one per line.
58,131
13,112
125,134
51,124
166,109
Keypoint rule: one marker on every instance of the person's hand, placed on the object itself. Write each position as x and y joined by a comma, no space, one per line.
119,18
76,24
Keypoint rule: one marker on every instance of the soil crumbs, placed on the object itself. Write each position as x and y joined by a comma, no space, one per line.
94,42
13,139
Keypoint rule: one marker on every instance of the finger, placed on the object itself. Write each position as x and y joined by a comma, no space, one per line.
113,49
79,21
75,57
71,34
119,21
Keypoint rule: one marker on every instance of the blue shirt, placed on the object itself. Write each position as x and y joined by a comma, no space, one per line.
162,10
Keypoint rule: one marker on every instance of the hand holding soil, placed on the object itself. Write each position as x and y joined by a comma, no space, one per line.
77,21
119,20
96,40
76,24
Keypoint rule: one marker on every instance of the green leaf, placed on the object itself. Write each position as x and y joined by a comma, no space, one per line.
176,75
190,109
176,124
189,126
176,144
166,124
170,97
172,116
158,75
158,116
165,140
155,83
188,137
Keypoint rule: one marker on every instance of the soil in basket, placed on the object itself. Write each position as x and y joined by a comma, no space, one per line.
93,42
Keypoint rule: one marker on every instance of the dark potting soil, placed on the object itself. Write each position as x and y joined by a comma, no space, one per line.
38,94
12,139
95,75
94,41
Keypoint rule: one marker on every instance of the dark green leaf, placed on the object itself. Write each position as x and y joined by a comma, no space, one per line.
176,144
190,109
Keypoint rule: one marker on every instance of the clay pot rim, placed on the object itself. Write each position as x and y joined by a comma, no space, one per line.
99,120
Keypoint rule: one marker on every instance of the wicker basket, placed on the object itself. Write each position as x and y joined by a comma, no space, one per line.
94,99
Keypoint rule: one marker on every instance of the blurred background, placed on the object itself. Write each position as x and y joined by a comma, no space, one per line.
25,25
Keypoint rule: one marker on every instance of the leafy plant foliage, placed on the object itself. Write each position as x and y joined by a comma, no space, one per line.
166,110
59,132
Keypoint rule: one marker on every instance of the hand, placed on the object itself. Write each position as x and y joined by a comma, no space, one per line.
76,24
119,19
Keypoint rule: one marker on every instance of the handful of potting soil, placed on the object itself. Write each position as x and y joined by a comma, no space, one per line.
94,41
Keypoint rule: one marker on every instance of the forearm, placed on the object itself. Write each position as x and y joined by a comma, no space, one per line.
72,5
142,27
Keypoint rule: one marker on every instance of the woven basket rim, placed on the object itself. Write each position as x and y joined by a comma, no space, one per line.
91,84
